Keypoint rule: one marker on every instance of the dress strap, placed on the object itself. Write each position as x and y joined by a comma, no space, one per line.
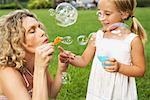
130,38
25,70
99,37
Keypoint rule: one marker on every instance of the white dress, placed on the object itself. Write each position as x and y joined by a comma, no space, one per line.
104,85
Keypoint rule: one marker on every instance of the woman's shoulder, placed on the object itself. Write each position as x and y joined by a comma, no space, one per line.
6,69
9,73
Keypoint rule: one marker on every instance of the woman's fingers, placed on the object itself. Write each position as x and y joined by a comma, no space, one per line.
43,55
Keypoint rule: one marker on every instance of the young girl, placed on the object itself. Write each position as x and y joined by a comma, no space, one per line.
114,78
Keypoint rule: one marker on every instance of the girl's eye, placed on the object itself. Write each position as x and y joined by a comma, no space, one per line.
107,14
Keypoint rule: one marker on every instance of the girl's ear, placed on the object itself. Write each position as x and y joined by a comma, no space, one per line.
28,48
124,15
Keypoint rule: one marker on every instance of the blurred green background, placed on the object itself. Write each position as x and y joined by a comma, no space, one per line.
87,22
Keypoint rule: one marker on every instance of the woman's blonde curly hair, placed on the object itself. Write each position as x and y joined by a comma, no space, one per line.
12,34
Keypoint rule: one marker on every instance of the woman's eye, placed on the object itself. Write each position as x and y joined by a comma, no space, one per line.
40,26
32,31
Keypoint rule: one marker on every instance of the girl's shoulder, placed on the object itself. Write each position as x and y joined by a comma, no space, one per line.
136,41
132,37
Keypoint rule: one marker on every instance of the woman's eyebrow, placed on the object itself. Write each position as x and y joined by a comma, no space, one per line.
31,27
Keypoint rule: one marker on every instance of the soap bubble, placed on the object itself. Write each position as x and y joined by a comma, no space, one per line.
67,40
116,25
82,39
65,14
65,78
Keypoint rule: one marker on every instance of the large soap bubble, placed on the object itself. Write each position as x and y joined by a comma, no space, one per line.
65,14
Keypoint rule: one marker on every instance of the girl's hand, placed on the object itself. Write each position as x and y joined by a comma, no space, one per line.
114,65
43,55
65,56
63,59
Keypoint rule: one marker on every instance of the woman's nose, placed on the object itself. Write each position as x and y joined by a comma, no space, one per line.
42,33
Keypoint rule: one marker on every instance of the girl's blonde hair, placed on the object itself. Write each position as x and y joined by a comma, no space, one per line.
12,34
129,7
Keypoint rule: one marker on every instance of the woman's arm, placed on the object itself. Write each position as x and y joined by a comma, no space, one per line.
43,55
40,88
56,84
12,84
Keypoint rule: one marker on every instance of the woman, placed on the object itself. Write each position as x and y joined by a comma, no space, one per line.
24,58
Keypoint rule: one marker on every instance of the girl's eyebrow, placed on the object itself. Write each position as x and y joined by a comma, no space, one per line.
105,11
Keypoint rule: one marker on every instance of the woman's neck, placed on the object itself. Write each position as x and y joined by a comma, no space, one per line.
30,62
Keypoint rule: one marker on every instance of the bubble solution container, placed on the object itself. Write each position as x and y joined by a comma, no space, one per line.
103,59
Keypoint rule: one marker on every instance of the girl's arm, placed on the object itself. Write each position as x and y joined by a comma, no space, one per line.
83,61
88,54
138,60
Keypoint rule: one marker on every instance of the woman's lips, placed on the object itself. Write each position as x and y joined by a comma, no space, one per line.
46,41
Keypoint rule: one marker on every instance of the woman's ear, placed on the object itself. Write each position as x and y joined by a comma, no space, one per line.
28,48
125,15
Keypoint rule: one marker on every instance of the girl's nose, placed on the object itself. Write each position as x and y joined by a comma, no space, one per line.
101,17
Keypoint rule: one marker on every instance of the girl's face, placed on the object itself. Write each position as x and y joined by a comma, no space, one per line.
34,34
108,13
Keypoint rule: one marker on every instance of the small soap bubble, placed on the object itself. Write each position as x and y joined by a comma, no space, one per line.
67,40
51,12
66,78
82,40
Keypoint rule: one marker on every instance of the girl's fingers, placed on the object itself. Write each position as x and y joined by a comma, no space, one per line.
112,59
60,49
109,70
63,60
63,55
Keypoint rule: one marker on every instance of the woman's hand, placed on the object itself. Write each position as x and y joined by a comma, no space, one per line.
43,55
113,65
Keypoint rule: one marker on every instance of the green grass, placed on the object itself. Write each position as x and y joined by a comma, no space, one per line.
87,22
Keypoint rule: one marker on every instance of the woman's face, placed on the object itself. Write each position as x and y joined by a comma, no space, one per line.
34,34
108,13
